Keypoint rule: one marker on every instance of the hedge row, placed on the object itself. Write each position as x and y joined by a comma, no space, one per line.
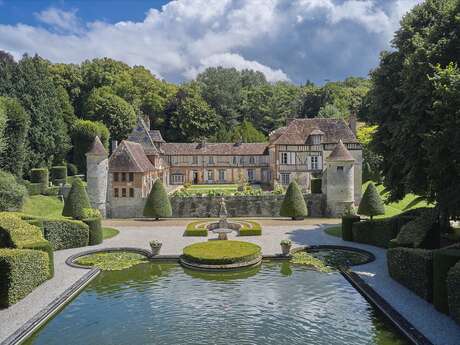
197,228
413,268
378,232
21,271
443,261
58,174
347,227
64,234
95,230
254,229
419,232
453,292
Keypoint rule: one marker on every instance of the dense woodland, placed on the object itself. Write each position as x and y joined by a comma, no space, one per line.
49,113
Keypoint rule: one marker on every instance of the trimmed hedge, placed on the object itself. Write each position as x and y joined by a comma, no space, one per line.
316,185
64,234
52,191
158,204
197,228
371,204
453,292
347,227
443,261
72,169
12,193
255,229
39,175
293,205
95,230
221,252
21,271
58,174
420,232
34,188
77,200
413,268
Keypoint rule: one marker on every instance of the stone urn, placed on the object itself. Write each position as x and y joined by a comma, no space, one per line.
155,245
286,247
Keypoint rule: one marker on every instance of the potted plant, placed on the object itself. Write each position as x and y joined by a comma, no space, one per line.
286,246
155,245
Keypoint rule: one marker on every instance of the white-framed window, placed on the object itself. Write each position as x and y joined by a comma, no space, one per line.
314,163
316,139
211,159
222,175
177,178
252,160
242,160
235,160
284,158
195,159
285,178
251,175
210,175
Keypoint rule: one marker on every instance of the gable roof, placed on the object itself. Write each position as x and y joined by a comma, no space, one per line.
97,149
298,131
141,135
156,136
130,157
214,148
340,154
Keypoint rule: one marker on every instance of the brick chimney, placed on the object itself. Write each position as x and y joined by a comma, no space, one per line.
352,122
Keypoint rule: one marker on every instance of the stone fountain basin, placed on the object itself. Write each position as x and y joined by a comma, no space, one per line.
227,225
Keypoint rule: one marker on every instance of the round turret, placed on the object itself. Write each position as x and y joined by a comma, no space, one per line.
97,168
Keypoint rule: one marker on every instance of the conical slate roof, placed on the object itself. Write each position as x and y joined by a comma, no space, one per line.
97,149
340,154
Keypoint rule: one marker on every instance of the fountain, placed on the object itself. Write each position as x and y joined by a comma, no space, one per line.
223,227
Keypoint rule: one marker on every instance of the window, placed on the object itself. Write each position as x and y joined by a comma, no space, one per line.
130,177
123,192
177,178
123,177
195,159
316,139
284,158
222,175
131,192
314,163
252,160
115,177
285,178
241,160
211,159
250,175
210,175
234,160
115,193
340,168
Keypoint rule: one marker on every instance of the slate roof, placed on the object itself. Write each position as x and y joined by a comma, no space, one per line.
130,157
97,149
340,154
156,136
141,135
214,149
299,130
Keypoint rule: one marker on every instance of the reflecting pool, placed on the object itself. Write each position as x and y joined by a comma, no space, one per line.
274,304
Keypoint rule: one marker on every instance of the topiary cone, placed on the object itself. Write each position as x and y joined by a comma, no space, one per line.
293,204
76,201
371,204
158,204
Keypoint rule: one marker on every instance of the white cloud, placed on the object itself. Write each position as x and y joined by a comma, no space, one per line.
60,20
285,39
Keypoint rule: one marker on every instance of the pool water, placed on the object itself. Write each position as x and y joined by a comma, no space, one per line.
274,304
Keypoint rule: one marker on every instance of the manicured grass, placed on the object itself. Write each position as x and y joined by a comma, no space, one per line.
112,261
109,232
44,206
221,252
334,231
205,188
197,228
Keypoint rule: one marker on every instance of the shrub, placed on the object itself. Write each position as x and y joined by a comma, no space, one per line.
21,271
197,228
316,186
443,261
91,213
40,175
34,188
64,234
293,204
420,232
158,204
347,226
250,228
412,268
378,232
453,292
95,230
72,169
52,191
221,252
76,201
12,194
58,174
371,204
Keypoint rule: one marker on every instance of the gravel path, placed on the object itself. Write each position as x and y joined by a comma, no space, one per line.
440,329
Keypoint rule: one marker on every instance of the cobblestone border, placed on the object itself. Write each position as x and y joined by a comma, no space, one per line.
401,324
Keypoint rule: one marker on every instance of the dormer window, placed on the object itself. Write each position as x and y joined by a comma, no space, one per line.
316,139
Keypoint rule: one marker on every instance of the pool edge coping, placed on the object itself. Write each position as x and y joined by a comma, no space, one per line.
409,331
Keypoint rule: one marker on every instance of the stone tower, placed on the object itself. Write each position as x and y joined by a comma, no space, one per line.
97,170
339,180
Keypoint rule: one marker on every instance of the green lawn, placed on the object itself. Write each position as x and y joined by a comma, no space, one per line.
43,206
205,188
109,233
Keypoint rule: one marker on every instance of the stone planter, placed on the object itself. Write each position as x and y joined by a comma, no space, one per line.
286,249
155,249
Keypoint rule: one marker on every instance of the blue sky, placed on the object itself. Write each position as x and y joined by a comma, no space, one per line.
295,40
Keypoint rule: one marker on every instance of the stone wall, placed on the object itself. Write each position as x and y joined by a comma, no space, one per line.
242,206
